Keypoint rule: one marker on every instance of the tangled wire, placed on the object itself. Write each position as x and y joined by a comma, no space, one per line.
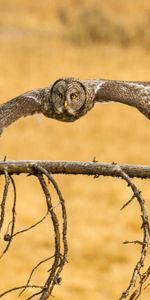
59,258
60,237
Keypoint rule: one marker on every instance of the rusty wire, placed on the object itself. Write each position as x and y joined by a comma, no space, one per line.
59,257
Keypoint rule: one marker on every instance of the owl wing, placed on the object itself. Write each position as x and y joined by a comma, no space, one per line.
136,94
26,104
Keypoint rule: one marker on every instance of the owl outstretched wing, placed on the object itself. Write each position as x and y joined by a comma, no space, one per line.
23,105
136,94
68,99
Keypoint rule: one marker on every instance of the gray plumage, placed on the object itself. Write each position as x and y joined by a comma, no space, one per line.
68,99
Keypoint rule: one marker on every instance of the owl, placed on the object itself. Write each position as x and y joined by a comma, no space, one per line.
68,99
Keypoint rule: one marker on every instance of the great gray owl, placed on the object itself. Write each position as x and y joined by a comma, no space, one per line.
68,99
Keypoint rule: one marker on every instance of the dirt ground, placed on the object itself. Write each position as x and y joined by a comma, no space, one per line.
35,51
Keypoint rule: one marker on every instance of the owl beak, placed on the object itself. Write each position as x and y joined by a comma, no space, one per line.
65,104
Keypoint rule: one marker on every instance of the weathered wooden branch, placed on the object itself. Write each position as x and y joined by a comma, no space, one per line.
74,167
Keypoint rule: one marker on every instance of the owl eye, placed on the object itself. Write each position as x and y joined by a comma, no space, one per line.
60,95
73,96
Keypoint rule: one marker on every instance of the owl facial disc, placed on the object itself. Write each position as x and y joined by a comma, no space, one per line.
68,98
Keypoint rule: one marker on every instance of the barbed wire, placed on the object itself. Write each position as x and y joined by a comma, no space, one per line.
43,170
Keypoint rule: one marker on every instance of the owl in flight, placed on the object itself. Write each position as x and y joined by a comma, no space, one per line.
68,99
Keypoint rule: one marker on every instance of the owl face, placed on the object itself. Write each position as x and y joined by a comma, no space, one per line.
68,98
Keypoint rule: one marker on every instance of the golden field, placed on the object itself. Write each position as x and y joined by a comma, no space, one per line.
41,41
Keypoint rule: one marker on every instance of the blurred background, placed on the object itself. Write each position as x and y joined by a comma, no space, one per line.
41,41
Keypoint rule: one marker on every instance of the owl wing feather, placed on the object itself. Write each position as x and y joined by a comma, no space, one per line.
136,94
23,105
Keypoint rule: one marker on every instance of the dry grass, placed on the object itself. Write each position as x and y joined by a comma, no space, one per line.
32,57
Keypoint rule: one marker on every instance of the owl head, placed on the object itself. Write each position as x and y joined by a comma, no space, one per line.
69,99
